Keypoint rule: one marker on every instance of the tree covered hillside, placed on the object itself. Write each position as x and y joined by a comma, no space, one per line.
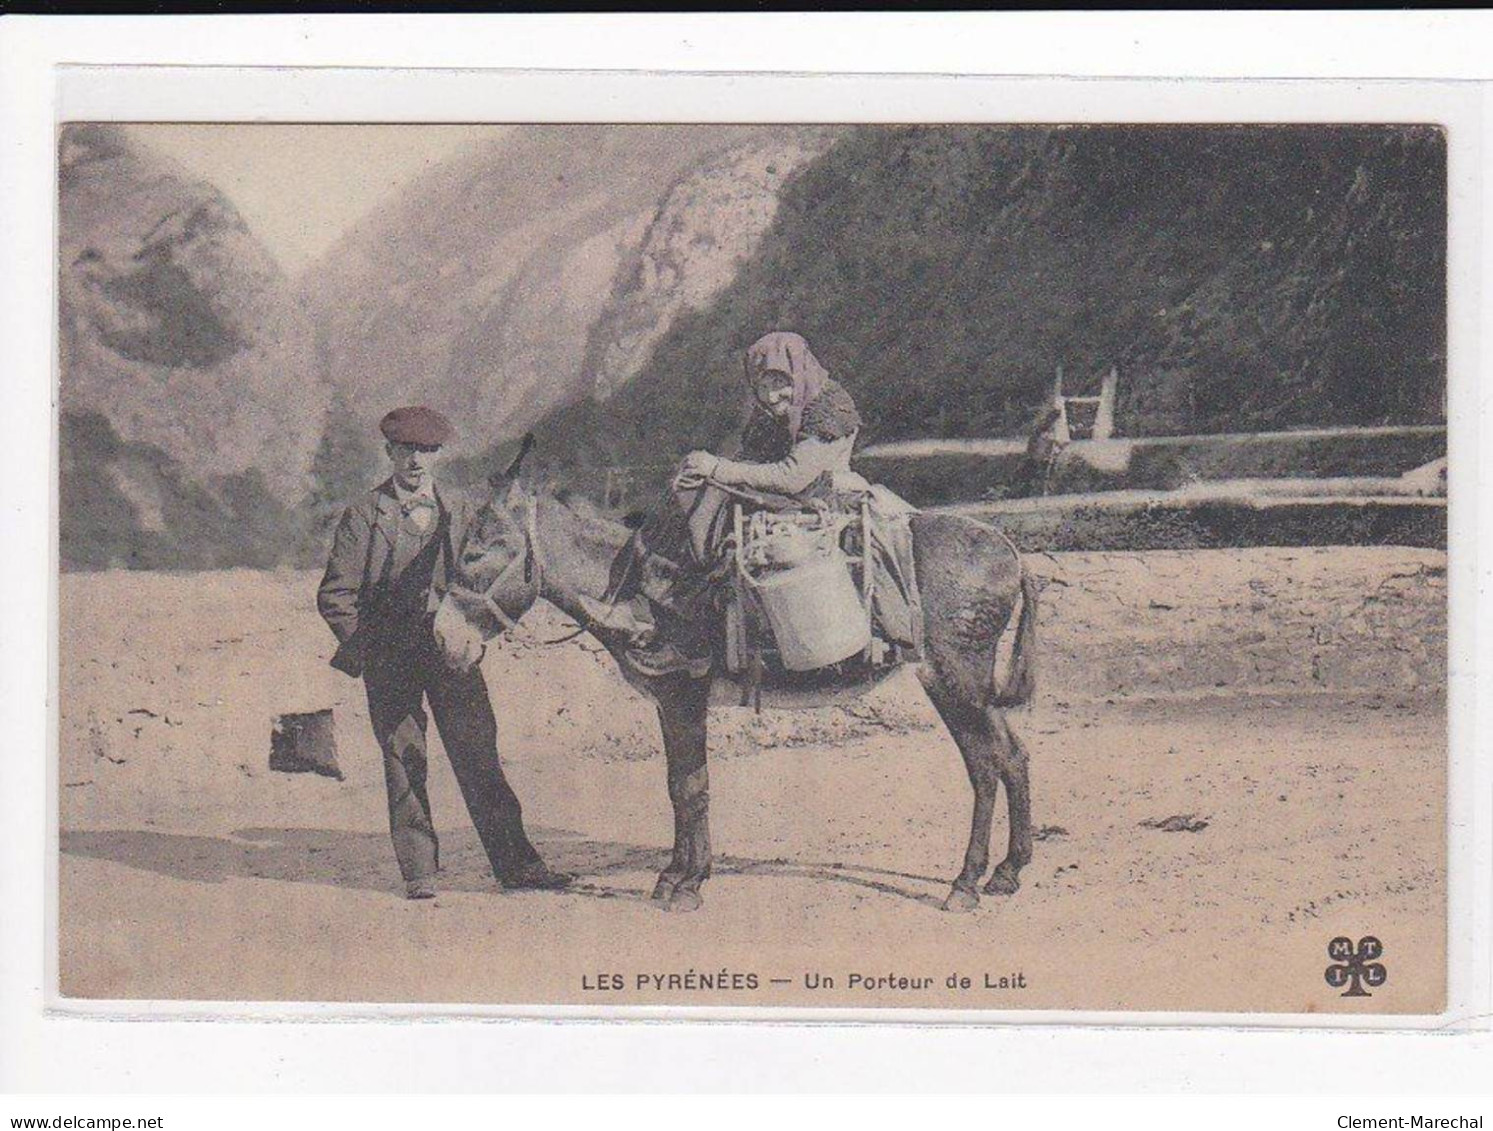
1242,278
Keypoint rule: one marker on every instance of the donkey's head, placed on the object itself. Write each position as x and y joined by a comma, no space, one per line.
495,579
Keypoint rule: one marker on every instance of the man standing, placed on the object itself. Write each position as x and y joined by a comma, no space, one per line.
389,567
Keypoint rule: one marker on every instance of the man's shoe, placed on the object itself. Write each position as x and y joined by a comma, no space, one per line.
667,658
538,877
423,888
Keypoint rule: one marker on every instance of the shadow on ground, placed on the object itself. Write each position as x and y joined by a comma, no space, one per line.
345,859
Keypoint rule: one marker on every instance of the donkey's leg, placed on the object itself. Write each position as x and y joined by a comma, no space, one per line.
1011,763
970,728
681,715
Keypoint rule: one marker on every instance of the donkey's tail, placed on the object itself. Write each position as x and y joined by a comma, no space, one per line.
1020,671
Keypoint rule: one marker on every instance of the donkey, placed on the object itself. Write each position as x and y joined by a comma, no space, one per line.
524,545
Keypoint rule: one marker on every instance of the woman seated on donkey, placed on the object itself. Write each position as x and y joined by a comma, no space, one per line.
799,432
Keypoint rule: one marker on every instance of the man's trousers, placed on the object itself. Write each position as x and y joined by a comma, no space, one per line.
396,682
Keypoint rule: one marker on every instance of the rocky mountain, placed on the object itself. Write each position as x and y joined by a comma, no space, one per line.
525,273
176,322
708,226
188,382
1241,278
485,288
599,283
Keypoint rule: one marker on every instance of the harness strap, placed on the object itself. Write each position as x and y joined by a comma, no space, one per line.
533,572
533,567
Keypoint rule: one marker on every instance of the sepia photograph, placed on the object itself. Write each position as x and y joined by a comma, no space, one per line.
975,567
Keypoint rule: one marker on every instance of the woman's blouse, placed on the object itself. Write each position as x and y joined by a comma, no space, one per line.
777,463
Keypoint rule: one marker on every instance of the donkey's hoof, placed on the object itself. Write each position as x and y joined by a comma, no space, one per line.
961,899
1003,881
663,890
684,900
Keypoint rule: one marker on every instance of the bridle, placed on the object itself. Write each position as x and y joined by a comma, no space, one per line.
533,572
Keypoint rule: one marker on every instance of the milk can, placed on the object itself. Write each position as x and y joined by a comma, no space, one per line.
815,611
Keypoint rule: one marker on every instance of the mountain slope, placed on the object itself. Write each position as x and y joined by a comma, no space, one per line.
476,289
176,324
189,408
1240,277
602,281
708,225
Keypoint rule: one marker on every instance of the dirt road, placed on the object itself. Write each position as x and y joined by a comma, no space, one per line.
1288,705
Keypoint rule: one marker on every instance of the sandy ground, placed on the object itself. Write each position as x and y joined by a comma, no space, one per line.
1289,702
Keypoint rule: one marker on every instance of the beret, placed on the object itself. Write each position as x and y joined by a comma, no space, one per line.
418,425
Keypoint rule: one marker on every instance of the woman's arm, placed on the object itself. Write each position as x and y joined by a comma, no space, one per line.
807,460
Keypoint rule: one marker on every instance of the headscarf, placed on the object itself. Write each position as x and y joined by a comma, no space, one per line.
788,353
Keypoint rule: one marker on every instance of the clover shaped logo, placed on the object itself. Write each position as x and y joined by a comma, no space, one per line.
1355,967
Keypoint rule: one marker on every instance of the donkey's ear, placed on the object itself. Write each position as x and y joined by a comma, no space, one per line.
507,476
524,448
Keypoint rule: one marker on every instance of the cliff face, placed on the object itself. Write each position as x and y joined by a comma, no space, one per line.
187,368
527,273
1240,278
477,289
600,282
709,224
176,324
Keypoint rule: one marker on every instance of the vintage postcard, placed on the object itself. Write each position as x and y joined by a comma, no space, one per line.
975,567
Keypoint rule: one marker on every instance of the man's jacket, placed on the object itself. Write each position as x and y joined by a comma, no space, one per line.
367,561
